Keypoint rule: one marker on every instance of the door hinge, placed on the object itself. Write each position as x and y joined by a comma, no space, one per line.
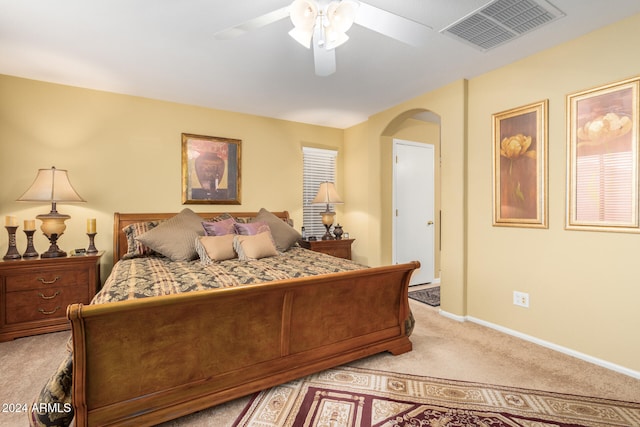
396,212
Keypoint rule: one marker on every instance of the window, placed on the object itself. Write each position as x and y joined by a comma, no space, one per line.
318,165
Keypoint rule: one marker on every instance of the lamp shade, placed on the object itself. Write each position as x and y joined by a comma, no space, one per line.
327,194
341,15
51,185
303,14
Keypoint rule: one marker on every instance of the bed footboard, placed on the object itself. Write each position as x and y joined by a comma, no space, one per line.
141,362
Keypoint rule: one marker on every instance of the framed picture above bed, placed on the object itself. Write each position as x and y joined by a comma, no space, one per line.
210,170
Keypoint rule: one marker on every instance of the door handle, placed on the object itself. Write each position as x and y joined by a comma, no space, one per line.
430,223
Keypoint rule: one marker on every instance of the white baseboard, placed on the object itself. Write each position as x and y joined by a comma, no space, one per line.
582,356
452,316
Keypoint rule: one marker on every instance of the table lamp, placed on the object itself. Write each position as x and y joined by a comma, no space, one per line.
52,185
327,194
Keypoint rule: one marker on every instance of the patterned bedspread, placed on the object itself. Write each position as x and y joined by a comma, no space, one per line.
155,276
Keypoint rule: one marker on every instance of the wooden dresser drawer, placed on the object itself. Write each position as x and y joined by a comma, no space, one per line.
46,279
343,252
337,248
35,293
42,304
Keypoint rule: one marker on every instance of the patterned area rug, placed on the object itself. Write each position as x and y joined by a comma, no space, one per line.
429,296
355,397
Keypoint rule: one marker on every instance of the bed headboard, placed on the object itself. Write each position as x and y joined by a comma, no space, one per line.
121,220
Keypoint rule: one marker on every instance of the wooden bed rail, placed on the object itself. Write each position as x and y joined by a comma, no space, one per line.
141,362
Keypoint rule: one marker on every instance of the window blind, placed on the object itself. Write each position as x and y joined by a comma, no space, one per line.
319,165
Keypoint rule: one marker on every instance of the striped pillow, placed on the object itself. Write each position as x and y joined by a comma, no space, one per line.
136,249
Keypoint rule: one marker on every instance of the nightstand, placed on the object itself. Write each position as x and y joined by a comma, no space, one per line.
338,248
35,293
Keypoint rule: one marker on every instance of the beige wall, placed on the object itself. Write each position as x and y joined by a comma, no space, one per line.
124,154
584,286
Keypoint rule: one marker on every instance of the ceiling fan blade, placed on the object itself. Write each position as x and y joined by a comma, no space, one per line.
392,25
323,59
253,24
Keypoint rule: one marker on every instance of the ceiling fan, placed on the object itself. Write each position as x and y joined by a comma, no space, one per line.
324,24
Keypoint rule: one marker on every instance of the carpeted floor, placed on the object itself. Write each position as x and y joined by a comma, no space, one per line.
442,348
356,397
430,296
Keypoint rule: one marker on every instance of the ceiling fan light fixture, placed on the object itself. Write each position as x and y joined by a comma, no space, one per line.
303,14
341,15
333,38
302,36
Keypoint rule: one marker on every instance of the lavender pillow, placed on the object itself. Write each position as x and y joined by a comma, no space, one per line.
251,228
219,228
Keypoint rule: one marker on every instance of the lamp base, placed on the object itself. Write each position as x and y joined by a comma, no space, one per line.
54,251
327,221
53,226
327,235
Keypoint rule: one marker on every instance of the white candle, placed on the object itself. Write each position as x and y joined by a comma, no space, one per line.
29,224
91,225
10,221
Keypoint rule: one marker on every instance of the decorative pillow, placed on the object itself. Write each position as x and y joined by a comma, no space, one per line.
219,228
254,247
136,249
284,235
175,238
215,248
251,228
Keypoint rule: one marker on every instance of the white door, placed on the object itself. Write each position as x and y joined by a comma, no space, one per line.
413,194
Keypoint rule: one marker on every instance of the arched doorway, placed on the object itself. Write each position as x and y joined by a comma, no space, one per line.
419,126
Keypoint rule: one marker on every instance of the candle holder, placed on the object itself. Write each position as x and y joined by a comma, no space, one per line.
12,250
30,252
92,247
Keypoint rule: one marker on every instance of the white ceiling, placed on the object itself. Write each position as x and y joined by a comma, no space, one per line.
166,50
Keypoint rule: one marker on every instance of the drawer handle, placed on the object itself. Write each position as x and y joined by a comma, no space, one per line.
49,282
43,296
43,311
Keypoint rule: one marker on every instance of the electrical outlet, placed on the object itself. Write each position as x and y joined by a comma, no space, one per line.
521,299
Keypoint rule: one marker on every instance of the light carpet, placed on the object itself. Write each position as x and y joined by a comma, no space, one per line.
354,397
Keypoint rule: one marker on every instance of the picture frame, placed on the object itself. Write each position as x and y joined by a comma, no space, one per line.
211,170
602,158
520,166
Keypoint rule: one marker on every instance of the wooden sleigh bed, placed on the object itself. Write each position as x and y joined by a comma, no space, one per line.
145,361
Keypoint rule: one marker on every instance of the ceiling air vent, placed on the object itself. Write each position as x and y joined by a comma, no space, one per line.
501,21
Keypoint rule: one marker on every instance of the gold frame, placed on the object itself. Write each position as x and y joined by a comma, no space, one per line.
215,179
602,121
520,166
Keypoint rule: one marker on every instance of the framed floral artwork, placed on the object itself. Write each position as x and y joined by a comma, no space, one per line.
210,170
602,158
520,166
